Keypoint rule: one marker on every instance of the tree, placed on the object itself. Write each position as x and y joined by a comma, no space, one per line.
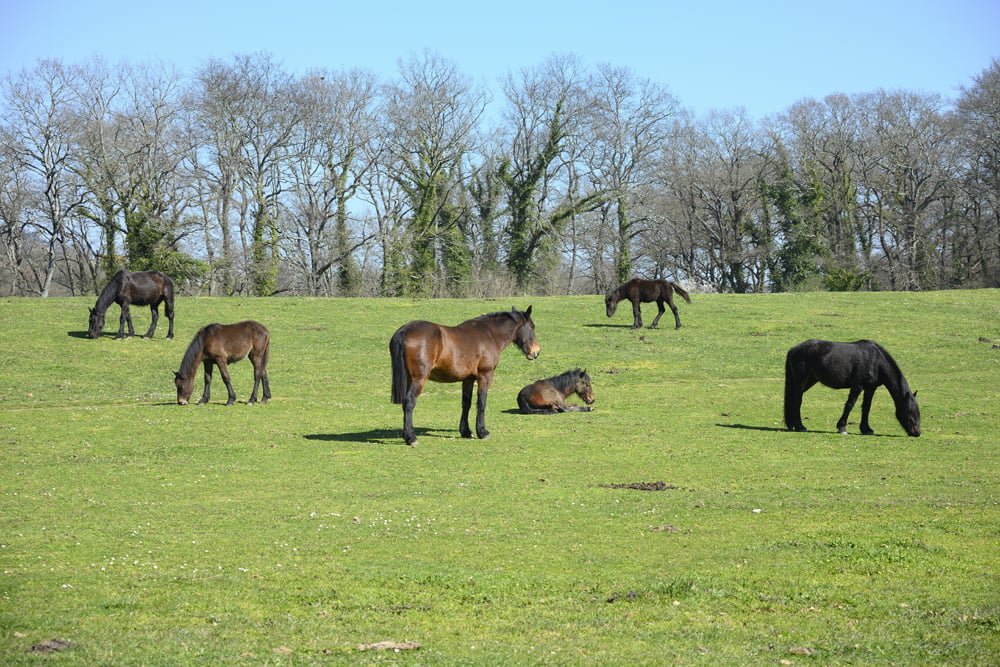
979,113
543,112
249,110
332,161
40,124
630,125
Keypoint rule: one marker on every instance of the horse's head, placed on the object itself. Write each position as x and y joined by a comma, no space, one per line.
184,388
524,336
611,303
96,323
584,389
908,414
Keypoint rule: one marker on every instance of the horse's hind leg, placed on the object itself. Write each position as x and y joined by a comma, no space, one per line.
848,406
866,406
677,317
409,402
661,309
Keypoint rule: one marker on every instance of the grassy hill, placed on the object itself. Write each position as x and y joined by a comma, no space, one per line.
144,532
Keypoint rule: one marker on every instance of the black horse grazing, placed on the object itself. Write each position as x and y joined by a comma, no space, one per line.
141,288
224,344
645,291
863,365
548,396
467,353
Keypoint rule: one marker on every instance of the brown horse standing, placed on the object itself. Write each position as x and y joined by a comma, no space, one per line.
548,396
467,353
141,288
644,291
221,345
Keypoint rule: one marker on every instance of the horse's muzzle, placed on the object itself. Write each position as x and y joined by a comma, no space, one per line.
531,354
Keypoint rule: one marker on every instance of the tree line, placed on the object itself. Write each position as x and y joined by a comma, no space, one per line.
243,179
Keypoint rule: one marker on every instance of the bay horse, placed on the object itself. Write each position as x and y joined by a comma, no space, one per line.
862,365
142,288
466,353
221,345
546,397
639,291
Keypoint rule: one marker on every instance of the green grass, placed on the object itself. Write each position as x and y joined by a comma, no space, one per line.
152,534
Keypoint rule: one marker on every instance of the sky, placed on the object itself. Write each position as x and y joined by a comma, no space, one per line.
759,56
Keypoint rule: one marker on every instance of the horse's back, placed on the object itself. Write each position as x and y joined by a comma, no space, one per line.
235,341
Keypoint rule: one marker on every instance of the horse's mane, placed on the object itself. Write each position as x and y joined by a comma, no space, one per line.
904,387
497,314
567,379
110,291
193,355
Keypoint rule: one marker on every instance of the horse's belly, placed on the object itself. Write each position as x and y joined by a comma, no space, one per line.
441,375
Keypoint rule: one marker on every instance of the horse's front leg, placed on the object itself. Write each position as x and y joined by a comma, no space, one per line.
208,383
154,311
661,309
866,406
224,371
481,392
636,315
463,421
125,318
848,406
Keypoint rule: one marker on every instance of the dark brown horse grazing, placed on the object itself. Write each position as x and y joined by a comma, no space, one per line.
142,288
548,396
467,353
221,345
644,291
862,365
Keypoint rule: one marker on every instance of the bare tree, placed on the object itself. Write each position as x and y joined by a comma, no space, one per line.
432,113
39,120
330,166
630,121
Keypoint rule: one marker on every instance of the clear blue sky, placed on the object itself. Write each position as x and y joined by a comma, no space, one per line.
763,56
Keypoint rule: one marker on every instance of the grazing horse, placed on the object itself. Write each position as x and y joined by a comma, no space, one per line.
644,291
467,353
863,365
142,288
221,345
548,396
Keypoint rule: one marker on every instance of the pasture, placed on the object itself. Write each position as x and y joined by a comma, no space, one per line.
292,533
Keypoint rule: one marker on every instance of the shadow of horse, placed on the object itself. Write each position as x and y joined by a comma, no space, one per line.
79,334
778,429
377,436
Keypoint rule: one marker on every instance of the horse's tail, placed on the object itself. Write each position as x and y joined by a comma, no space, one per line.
680,290
400,375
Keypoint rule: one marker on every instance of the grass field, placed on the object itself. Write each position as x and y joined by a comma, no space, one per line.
146,533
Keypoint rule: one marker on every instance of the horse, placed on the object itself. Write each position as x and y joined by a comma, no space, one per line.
466,353
645,291
546,397
221,345
142,288
862,365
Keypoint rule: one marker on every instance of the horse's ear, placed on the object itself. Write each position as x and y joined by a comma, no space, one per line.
914,394
92,311
527,313
177,376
